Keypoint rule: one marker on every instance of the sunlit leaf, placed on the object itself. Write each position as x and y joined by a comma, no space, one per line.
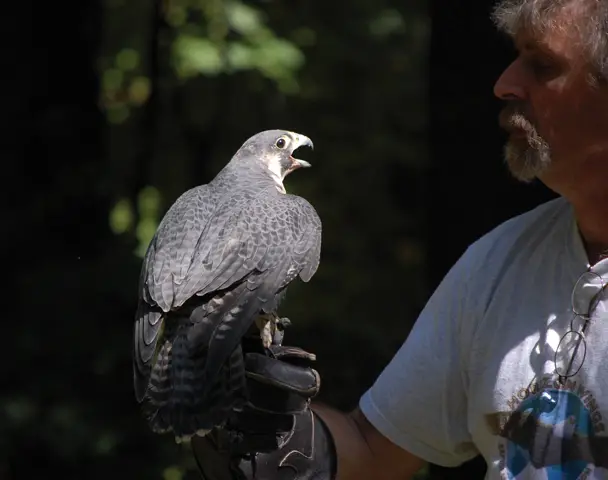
149,210
241,56
197,55
243,18
145,231
278,58
121,216
117,113
288,85
387,22
112,79
177,16
139,90
304,36
173,473
149,202
260,35
127,59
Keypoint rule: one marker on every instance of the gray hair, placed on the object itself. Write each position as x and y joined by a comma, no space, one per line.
537,16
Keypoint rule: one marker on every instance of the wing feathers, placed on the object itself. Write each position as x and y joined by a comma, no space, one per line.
229,245
250,249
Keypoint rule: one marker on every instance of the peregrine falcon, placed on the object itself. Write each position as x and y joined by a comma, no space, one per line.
217,266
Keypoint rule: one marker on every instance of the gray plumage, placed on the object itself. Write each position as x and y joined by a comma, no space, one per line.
223,254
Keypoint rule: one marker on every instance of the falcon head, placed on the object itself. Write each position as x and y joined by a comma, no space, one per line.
275,148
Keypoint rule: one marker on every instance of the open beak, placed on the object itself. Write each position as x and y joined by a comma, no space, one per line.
301,141
299,163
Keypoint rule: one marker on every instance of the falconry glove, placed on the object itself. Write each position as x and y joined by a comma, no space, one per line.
277,436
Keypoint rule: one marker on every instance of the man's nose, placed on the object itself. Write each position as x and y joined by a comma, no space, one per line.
510,85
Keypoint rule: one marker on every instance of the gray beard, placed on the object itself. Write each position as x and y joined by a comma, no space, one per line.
527,159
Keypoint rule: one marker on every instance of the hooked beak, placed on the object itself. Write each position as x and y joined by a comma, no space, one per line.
301,141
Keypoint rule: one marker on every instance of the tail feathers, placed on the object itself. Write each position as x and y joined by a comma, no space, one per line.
178,400
147,332
233,322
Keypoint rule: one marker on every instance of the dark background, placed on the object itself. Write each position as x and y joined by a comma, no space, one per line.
99,140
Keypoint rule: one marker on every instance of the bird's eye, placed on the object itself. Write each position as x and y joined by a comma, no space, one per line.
281,143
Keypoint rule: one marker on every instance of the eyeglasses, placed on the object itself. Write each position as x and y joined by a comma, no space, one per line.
572,348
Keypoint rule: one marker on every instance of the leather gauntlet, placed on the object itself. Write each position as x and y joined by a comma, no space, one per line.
277,436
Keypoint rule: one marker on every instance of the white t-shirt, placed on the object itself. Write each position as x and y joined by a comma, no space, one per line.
476,375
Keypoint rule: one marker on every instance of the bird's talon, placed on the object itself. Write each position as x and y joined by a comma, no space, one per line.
283,323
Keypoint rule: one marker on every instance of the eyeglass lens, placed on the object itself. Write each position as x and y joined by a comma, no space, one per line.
572,348
585,290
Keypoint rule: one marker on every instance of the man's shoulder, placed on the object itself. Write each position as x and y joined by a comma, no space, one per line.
516,236
545,215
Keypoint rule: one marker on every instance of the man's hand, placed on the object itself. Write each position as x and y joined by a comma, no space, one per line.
277,436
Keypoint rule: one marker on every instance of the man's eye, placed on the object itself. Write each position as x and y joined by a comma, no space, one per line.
540,67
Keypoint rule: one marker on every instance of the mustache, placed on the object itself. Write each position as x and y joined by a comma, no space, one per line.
514,117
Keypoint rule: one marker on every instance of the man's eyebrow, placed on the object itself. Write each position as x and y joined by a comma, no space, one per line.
527,45
532,46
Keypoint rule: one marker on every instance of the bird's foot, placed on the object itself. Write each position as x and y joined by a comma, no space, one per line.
283,323
279,333
271,328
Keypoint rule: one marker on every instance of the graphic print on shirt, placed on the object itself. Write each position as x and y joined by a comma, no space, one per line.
554,430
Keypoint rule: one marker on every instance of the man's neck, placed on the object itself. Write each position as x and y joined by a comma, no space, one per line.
592,221
584,184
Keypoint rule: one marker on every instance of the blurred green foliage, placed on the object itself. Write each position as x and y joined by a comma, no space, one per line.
182,83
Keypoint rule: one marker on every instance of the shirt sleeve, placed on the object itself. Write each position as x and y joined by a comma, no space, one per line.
419,401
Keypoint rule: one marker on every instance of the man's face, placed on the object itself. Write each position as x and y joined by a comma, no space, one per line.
556,119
